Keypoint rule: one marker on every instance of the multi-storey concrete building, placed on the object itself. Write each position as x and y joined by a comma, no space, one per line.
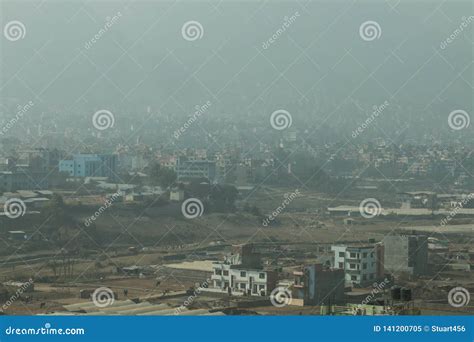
317,285
90,165
242,273
406,254
361,263
189,169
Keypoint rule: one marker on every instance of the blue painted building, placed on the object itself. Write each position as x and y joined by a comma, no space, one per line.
90,165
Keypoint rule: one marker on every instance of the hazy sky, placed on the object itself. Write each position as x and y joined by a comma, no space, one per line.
320,67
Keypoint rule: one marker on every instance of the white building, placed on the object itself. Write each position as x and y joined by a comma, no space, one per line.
176,195
358,262
241,273
241,280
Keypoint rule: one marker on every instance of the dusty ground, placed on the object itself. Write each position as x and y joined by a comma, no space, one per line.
160,239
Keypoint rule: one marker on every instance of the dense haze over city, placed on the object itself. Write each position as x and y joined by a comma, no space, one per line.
319,69
236,157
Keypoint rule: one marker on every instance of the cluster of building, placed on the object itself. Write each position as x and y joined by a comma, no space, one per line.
242,273
353,266
38,168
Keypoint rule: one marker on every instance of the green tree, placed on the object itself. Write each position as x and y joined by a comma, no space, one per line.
223,197
164,177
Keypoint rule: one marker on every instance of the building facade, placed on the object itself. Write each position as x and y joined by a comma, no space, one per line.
406,254
317,285
361,264
21,179
195,169
241,273
90,165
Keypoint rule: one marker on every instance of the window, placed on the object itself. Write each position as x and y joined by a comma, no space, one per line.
353,277
372,254
364,255
364,266
261,276
341,265
242,286
226,273
352,266
218,272
243,274
261,287
218,283
341,254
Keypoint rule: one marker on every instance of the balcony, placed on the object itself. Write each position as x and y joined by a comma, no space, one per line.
219,277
